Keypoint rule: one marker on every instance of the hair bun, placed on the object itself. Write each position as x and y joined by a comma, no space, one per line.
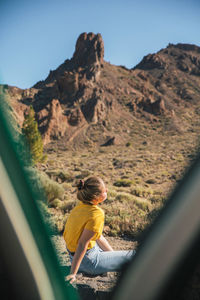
80,184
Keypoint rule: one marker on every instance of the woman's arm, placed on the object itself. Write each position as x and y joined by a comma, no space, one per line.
103,244
84,240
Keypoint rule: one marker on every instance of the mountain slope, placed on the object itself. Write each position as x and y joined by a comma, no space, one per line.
88,101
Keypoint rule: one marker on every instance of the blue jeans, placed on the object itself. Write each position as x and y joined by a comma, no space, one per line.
96,261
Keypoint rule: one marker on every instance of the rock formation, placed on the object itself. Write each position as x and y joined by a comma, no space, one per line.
156,107
89,50
111,141
87,98
55,124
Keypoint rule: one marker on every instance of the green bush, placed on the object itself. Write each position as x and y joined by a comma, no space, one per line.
33,136
151,181
84,173
123,182
57,203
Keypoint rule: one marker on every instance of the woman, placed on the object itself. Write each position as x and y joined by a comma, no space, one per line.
89,251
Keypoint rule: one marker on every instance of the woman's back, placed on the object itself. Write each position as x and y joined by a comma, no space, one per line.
83,216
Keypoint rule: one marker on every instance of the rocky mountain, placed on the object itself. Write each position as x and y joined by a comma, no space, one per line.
88,101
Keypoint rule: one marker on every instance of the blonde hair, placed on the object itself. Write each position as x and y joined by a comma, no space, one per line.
90,189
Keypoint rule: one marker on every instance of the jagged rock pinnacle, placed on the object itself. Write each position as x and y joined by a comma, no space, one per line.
89,50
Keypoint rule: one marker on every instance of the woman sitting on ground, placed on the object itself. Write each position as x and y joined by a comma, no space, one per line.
89,251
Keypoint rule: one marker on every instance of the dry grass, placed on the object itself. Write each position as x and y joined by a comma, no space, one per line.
139,177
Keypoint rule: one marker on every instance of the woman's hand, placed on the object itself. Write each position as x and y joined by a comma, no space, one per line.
71,278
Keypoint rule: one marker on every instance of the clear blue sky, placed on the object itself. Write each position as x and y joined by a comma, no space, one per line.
39,35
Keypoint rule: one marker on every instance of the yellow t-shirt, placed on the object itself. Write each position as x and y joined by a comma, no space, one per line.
83,216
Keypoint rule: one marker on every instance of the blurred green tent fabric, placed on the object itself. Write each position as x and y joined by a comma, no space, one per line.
27,233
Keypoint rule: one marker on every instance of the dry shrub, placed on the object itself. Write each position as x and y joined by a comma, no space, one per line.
123,182
57,224
60,176
143,204
151,181
66,186
51,188
124,197
67,205
111,195
142,192
55,221
84,173
127,199
56,203
120,221
65,176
